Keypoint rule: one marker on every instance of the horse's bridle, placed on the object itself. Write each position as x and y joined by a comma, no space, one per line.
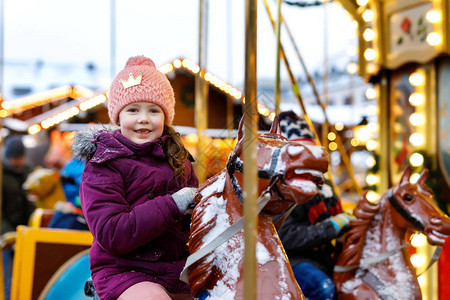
403,212
235,164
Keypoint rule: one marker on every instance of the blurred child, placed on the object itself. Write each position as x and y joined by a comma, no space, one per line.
308,231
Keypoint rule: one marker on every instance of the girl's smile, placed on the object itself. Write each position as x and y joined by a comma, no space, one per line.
142,122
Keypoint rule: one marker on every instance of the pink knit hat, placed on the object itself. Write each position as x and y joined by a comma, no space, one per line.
140,81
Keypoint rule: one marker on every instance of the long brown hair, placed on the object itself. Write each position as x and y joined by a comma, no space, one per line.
175,151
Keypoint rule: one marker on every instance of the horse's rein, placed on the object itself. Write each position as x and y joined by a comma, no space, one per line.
372,260
225,235
234,164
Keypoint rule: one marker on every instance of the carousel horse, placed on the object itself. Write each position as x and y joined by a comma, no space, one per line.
288,172
375,262
45,185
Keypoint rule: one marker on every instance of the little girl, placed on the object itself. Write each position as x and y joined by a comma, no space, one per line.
136,188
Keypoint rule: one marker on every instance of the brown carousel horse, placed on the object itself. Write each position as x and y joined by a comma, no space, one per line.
288,172
374,263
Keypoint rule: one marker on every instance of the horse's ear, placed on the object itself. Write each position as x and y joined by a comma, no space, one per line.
423,177
241,129
406,174
275,128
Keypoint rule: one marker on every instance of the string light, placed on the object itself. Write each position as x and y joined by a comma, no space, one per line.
433,16
22,104
416,139
416,159
372,196
370,54
368,34
416,99
434,39
416,119
368,15
416,79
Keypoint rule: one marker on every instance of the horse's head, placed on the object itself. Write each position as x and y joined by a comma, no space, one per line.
297,167
415,208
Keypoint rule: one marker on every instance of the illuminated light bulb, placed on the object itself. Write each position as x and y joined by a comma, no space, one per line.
332,146
177,63
372,179
416,119
352,68
208,77
331,136
433,16
370,161
417,260
416,79
3,113
414,178
371,93
416,139
271,116
416,159
238,95
355,142
34,129
372,110
368,34
45,124
416,99
363,134
266,112
362,2
6,105
370,54
368,15
260,108
418,240
371,196
371,145
434,39
339,126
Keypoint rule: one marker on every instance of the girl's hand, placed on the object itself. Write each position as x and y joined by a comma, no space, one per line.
184,198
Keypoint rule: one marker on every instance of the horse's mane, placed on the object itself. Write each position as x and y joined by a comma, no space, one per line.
355,237
203,272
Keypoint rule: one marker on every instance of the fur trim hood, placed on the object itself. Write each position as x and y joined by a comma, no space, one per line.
84,145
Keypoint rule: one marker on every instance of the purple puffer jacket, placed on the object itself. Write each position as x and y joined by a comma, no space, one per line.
126,198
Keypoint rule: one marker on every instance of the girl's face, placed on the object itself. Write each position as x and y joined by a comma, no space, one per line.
141,122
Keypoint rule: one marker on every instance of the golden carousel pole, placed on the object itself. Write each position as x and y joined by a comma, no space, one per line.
201,93
2,63
277,77
250,173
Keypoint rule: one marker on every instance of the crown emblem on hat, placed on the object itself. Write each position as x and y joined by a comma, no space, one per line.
131,81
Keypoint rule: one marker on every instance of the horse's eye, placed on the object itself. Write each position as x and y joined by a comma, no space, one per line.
408,197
